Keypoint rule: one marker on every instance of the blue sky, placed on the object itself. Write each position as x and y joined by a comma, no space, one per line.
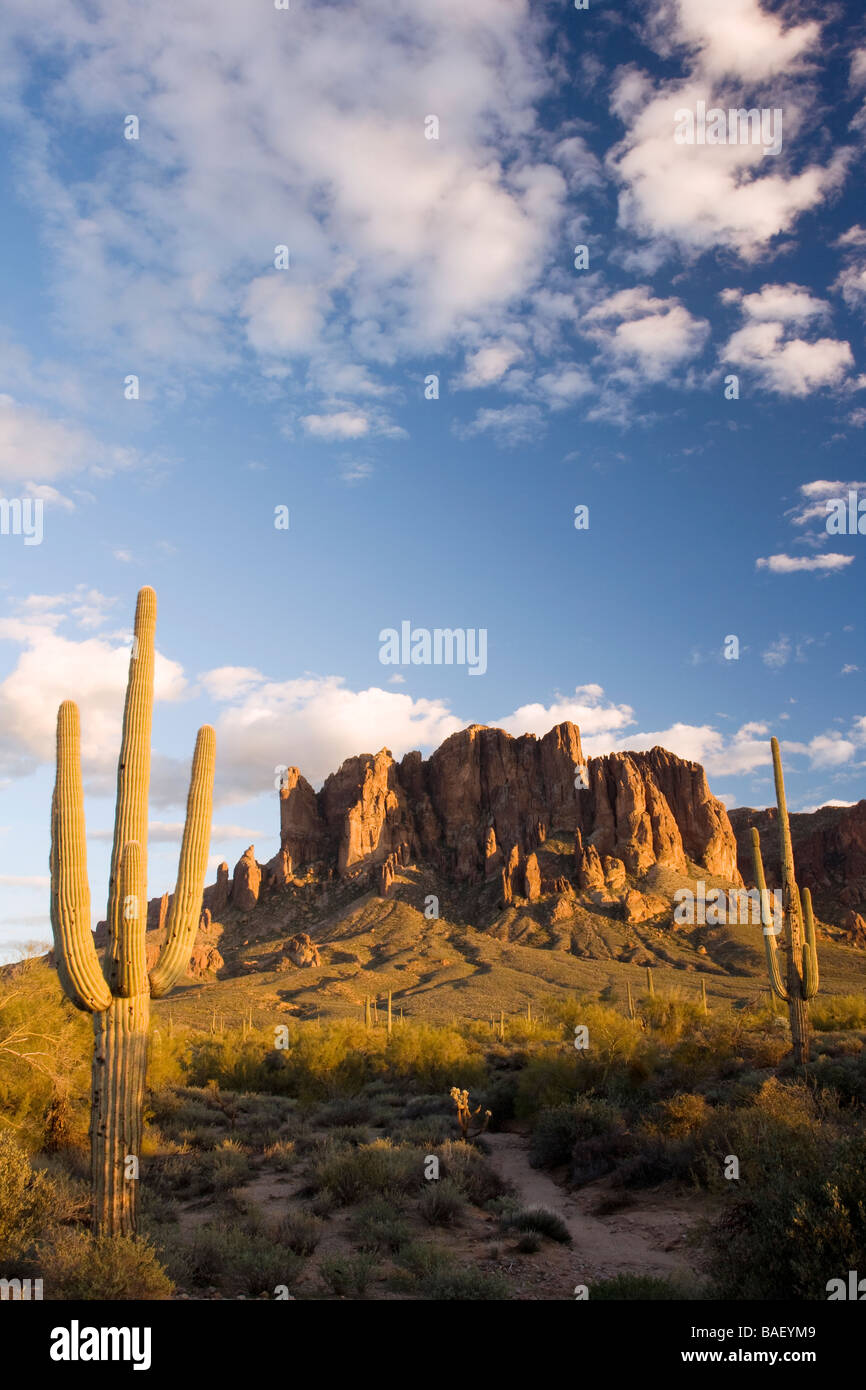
304,387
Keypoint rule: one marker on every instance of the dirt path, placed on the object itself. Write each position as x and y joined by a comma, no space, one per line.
645,1238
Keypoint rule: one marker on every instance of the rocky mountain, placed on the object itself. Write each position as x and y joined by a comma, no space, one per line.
484,803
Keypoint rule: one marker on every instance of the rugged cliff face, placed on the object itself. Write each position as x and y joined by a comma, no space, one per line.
484,802
829,852
477,813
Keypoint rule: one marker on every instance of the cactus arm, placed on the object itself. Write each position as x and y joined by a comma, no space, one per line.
811,978
770,950
791,892
75,953
183,917
125,958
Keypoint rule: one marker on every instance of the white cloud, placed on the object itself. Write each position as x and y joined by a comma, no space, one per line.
778,653
37,448
488,364
398,244
51,668
800,564
766,345
342,424
728,195
638,331
315,723
510,425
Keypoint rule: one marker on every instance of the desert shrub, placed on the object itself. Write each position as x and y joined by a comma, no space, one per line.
346,1111
434,1058
380,1226
236,1260
835,1013
545,1082
528,1244
540,1220
299,1232
437,1104
470,1171
670,1016
442,1203
463,1285
347,1276
27,1201
500,1097
785,1237
427,1132
79,1265
373,1168
683,1114
34,1008
559,1129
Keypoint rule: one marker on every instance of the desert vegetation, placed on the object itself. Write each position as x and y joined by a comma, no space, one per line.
335,1166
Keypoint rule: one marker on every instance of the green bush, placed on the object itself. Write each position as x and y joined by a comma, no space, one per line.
347,1276
558,1130
27,1201
379,1226
540,1220
299,1232
78,1265
442,1203
799,1225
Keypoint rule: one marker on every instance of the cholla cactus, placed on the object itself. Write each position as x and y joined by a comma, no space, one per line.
118,994
802,973
465,1116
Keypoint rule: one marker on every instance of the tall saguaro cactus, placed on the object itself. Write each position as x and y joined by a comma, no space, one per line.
801,982
118,994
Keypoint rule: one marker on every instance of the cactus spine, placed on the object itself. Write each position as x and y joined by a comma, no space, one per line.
118,993
802,979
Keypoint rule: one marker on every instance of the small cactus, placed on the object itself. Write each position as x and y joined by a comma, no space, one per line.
466,1116
802,978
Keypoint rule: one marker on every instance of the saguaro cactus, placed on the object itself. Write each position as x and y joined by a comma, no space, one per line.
802,974
118,994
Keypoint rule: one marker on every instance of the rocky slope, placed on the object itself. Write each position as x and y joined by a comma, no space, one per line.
829,852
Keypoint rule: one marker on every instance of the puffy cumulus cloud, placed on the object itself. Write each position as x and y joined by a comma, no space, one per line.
398,243
643,335
315,723
487,365
52,667
341,424
825,750
767,344
36,447
814,497
739,39
786,303
597,717
803,564
737,196
807,810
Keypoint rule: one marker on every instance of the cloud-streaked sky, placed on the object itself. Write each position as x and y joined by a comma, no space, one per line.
283,259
